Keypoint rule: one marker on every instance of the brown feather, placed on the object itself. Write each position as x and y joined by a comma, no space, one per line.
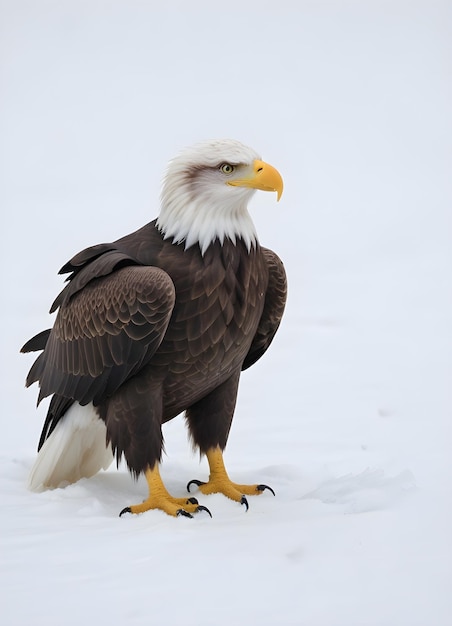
146,329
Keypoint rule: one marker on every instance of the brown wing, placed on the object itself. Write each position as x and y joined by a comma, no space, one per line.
275,302
104,334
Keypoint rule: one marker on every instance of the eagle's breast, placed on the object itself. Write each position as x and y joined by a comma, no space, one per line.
219,301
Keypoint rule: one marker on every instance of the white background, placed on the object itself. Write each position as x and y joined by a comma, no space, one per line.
348,416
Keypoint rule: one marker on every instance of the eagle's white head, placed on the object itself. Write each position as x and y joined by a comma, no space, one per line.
206,191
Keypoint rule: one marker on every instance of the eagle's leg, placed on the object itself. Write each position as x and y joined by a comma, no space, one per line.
159,498
209,421
219,481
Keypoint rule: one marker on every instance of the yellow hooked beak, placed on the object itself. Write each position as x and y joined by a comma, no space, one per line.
263,176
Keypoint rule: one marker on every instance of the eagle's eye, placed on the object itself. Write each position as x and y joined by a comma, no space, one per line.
227,168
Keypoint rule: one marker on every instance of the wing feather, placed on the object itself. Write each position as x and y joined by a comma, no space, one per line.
104,333
275,301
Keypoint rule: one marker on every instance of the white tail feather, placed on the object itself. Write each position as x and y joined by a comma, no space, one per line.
76,449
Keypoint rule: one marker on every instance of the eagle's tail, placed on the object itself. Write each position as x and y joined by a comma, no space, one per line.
75,449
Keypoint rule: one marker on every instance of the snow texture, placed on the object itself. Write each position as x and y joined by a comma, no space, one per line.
348,416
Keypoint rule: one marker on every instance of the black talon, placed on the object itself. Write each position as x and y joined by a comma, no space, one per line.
183,513
264,487
198,483
127,509
192,501
244,501
203,508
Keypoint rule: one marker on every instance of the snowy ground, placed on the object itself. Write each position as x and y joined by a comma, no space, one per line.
348,417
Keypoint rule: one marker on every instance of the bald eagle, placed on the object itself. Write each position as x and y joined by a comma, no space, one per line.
161,322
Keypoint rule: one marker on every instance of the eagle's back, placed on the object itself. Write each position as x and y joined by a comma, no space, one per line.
219,299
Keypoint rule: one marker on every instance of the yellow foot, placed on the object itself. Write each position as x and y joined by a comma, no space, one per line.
219,481
159,498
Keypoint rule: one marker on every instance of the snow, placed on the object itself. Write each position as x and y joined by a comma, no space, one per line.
348,417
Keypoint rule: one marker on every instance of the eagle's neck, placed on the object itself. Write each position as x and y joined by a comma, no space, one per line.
202,219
